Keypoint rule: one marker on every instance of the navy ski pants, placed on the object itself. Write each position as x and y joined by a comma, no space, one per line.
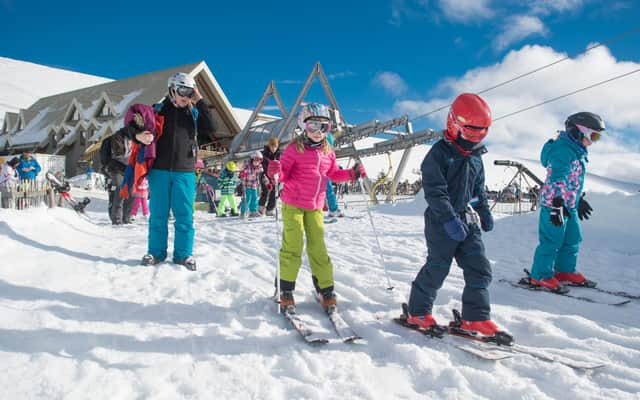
470,256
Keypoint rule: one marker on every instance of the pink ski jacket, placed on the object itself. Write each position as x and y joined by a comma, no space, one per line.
305,176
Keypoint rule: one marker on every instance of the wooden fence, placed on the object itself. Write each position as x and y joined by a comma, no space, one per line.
25,194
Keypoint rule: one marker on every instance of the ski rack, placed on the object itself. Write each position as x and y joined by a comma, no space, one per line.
374,127
260,128
401,143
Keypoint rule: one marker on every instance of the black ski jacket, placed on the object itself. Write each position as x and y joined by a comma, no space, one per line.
177,147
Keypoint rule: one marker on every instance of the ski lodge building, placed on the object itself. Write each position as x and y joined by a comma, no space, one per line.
73,124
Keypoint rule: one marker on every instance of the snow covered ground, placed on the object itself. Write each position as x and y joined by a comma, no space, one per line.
79,318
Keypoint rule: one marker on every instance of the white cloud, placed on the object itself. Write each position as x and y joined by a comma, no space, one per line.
391,82
407,9
546,7
524,134
518,28
339,75
466,10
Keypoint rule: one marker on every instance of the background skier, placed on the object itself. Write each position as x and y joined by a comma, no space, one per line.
227,183
267,201
29,168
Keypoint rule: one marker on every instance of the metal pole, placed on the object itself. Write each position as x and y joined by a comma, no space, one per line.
375,233
279,241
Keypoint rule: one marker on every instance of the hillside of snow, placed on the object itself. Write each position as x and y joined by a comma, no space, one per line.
80,318
23,83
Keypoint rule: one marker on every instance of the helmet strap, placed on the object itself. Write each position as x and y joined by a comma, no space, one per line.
311,143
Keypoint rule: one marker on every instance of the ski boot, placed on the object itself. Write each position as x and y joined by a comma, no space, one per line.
148,260
328,301
287,302
423,321
552,283
574,279
424,324
484,331
548,284
189,263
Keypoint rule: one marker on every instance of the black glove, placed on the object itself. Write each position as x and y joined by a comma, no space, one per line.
557,214
584,208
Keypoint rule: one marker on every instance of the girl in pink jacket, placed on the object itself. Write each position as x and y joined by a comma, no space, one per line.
304,168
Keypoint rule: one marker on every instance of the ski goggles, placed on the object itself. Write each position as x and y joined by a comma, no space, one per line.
590,134
313,126
184,91
473,133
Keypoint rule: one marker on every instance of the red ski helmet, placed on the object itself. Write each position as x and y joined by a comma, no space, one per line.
469,117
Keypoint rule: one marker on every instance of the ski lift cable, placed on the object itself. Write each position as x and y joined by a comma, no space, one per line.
607,41
566,95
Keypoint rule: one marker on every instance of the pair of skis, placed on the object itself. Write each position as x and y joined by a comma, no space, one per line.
495,348
344,331
525,283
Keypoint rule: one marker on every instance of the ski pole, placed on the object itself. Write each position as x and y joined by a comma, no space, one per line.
375,233
278,240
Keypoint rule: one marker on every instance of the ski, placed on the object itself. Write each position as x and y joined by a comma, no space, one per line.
441,333
342,327
332,220
352,216
307,334
525,284
611,292
490,348
543,355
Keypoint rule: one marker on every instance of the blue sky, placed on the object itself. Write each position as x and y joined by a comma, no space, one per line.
246,44
384,58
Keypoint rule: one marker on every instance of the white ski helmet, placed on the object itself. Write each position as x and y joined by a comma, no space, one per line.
256,155
182,84
181,79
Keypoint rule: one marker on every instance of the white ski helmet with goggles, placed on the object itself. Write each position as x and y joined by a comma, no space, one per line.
313,110
181,84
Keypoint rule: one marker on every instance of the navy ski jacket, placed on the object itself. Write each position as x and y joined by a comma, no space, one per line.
451,180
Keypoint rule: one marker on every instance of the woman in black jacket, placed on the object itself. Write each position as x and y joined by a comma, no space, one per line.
268,191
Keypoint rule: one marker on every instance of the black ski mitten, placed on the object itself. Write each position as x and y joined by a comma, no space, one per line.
584,208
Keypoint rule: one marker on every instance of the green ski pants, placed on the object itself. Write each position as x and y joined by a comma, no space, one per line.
297,222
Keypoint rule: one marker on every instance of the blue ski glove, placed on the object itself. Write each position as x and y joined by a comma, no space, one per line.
456,229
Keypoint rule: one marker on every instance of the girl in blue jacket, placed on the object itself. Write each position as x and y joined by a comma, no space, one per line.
562,202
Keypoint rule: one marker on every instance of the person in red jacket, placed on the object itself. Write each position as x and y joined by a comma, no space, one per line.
304,168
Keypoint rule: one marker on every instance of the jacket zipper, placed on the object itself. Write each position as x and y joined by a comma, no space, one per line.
173,148
315,197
